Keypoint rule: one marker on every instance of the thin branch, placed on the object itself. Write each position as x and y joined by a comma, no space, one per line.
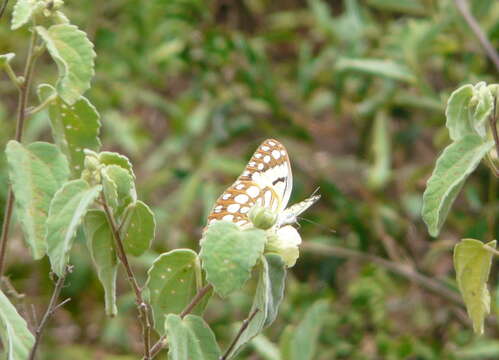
462,6
24,89
53,306
161,343
433,285
493,125
239,334
142,306
195,300
4,6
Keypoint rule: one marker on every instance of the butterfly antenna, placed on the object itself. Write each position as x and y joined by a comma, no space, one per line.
316,223
315,191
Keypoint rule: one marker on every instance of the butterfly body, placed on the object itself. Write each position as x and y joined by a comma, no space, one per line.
267,182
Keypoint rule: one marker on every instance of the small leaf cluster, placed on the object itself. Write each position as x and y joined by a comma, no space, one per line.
471,121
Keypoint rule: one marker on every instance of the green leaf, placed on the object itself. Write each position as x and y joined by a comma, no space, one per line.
120,187
228,254
67,209
138,228
100,243
17,340
173,280
112,158
36,172
376,67
472,263
268,297
379,173
6,58
467,111
74,55
74,127
190,338
453,167
301,343
23,10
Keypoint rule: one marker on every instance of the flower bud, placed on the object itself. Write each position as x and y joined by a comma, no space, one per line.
285,242
262,218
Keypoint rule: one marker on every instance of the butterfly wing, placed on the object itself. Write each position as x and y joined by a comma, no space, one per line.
289,216
266,181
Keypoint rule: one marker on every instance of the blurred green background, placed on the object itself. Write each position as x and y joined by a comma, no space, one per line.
356,91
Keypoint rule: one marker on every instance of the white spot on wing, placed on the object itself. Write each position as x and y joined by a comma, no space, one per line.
244,210
253,191
232,208
258,155
241,198
266,158
265,148
228,217
226,196
276,154
260,166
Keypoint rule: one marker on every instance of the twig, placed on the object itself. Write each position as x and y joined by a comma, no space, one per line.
239,334
158,346
50,310
493,126
462,6
195,300
4,6
24,89
142,306
430,284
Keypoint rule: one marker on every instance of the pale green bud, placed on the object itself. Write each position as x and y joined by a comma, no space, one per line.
262,218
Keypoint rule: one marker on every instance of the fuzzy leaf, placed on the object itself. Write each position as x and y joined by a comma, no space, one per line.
112,158
100,243
268,297
467,110
67,209
472,263
229,254
138,228
17,340
453,167
21,14
74,55
119,187
173,280
74,127
190,338
36,172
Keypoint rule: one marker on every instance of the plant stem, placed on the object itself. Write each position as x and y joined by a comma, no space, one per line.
42,105
142,306
12,76
50,310
4,6
408,272
493,126
158,346
462,6
24,89
239,334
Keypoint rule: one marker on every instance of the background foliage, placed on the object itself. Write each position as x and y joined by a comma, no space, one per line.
356,90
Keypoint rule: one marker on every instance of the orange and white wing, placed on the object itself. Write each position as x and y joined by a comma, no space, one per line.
266,181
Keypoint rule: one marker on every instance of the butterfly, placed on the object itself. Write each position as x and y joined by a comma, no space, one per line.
267,181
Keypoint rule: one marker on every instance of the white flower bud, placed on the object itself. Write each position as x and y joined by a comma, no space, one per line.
285,242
